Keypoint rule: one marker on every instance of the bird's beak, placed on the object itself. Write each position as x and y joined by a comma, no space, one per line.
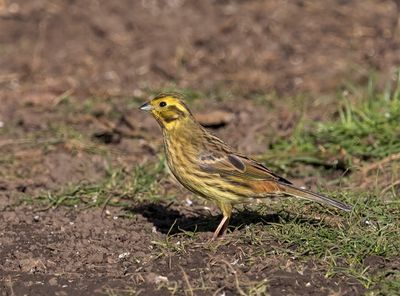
146,107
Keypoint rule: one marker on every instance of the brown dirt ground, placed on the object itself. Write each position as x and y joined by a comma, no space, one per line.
101,53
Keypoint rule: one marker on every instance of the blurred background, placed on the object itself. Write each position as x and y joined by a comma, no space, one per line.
122,48
311,88
78,69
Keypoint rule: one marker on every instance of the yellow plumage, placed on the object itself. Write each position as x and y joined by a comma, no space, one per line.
208,167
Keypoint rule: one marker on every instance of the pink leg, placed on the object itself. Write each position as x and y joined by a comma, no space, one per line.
220,231
226,209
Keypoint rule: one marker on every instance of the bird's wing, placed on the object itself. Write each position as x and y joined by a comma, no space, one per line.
237,165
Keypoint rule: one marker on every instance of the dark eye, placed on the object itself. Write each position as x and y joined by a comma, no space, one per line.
162,104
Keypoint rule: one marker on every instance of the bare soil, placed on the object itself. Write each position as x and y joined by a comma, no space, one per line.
72,73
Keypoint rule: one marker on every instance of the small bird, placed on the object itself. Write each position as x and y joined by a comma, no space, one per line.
207,166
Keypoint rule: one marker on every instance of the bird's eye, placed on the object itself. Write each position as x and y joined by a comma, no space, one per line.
162,104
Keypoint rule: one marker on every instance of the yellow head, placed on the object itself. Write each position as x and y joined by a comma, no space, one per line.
168,109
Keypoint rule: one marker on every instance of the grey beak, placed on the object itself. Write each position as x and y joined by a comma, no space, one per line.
146,107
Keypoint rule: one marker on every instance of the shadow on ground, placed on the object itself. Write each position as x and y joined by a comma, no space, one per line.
170,221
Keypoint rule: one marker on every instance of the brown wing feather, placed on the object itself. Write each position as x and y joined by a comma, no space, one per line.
238,166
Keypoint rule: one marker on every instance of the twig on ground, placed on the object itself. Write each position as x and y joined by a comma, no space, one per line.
387,188
187,282
365,170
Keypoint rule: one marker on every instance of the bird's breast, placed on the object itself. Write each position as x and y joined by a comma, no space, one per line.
183,161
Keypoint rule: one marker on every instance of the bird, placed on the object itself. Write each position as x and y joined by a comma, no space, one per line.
208,167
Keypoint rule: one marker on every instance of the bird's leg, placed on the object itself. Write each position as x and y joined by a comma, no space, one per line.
226,209
221,227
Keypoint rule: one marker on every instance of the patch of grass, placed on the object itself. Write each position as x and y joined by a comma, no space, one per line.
170,245
367,128
55,134
70,137
371,229
118,188
389,283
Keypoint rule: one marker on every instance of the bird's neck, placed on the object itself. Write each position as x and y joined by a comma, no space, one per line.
186,130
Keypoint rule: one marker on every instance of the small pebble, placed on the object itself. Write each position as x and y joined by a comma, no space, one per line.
123,255
53,281
161,279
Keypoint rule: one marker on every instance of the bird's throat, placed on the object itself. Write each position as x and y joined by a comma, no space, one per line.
183,130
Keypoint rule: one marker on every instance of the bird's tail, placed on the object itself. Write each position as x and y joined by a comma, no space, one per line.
306,194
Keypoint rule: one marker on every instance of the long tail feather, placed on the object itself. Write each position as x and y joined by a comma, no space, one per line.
306,194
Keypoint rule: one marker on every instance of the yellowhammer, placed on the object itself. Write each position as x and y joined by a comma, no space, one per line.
207,166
